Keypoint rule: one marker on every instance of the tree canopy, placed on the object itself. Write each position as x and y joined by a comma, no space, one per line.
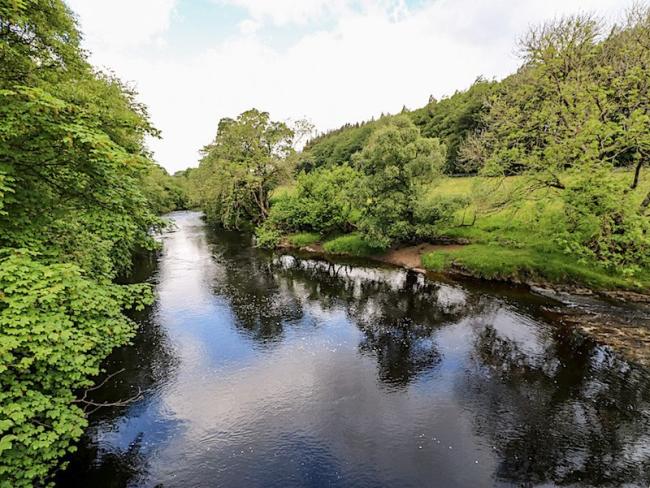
77,200
248,158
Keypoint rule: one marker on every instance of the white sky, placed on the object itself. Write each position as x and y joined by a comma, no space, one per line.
331,61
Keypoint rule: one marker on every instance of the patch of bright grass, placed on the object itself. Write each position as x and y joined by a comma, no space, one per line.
436,261
491,261
303,239
352,244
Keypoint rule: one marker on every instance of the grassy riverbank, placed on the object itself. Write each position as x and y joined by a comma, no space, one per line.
512,244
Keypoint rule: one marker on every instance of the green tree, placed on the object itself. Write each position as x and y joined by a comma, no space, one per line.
397,162
324,201
249,157
455,118
72,213
576,110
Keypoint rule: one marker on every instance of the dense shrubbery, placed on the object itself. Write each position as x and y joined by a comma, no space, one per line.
398,164
381,196
164,192
323,201
57,326
78,196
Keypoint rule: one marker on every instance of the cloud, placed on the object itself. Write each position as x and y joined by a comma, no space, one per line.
372,57
283,12
249,26
119,24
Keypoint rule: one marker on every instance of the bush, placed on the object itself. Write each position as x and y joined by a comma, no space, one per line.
267,236
434,210
397,162
55,329
322,201
602,223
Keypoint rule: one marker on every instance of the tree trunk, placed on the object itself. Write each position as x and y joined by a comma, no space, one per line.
637,174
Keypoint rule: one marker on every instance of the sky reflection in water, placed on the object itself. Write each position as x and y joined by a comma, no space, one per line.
277,371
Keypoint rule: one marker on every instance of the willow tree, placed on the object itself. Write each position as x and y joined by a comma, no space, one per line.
398,163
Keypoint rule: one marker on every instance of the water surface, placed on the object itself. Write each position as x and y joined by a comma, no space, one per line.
263,370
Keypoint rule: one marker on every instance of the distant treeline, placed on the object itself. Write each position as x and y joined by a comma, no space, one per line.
451,120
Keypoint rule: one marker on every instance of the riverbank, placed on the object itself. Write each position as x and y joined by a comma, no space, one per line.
513,244
485,262
288,372
617,318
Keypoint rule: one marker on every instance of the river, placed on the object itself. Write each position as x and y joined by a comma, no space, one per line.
269,370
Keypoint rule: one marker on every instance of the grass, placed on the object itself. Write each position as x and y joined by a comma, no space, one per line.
518,243
303,239
511,244
494,262
351,244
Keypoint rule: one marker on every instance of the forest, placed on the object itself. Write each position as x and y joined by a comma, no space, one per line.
539,177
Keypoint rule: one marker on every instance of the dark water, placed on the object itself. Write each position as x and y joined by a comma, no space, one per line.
275,371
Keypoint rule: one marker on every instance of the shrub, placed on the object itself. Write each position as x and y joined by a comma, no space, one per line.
55,328
602,222
322,201
267,236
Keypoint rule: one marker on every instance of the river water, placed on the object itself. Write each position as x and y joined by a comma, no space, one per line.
264,370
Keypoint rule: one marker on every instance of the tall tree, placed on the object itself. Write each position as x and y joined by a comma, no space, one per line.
72,213
247,160
576,110
397,162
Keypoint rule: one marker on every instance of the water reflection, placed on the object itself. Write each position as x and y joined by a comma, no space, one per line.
265,370
573,415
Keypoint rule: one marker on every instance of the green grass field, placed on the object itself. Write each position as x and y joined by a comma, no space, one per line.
516,242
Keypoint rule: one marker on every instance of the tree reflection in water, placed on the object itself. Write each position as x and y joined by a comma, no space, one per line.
346,369
576,413
147,364
397,311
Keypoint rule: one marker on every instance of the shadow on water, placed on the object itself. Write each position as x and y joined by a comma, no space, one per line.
284,370
138,370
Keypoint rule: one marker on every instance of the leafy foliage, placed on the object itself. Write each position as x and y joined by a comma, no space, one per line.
453,119
335,147
578,108
56,326
78,196
323,201
353,244
164,192
247,160
397,161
